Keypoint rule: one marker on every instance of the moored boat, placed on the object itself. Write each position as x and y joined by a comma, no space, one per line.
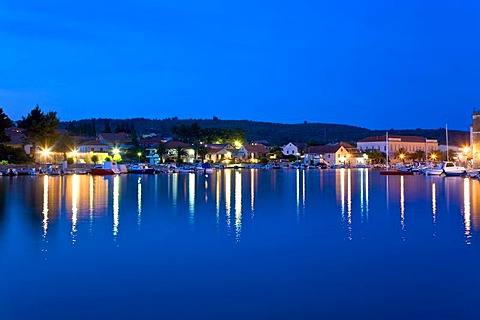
107,168
141,168
396,173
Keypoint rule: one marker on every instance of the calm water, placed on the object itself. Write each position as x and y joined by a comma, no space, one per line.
236,244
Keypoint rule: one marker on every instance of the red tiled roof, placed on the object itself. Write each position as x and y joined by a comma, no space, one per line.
216,146
93,143
255,148
323,149
402,138
176,144
115,137
16,135
151,141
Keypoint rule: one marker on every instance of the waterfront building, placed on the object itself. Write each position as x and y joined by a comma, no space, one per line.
252,152
294,148
223,152
174,146
396,143
120,141
475,138
331,154
17,139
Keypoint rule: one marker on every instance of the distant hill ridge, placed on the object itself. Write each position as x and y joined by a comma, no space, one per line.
275,133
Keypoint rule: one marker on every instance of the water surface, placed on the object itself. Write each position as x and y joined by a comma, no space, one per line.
236,244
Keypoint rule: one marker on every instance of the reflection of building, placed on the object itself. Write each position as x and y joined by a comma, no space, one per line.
475,139
475,205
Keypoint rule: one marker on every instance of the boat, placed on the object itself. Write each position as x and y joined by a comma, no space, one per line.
141,168
204,168
473,173
107,168
396,173
451,169
434,171
11,172
446,168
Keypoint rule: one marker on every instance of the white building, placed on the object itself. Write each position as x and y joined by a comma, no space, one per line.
395,143
293,149
333,155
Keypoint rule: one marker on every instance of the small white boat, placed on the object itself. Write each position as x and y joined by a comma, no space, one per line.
435,171
473,173
451,169
446,168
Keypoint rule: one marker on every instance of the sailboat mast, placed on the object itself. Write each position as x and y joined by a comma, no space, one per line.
446,136
388,148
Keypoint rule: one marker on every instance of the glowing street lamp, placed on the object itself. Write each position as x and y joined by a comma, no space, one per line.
402,157
433,156
45,153
237,144
74,155
139,154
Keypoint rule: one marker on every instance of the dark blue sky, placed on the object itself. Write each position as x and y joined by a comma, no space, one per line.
376,64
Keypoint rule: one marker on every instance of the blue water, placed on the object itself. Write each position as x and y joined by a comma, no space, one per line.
329,244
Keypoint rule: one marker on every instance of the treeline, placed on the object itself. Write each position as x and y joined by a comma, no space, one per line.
39,130
274,133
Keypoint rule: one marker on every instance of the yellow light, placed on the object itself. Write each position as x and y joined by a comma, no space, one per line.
237,144
45,152
365,156
466,149
433,156
115,151
402,156
74,153
139,154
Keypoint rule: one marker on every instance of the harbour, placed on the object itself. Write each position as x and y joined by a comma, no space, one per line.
258,242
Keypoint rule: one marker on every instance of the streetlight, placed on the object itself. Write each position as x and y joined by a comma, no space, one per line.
45,153
402,157
433,156
139,154
74,155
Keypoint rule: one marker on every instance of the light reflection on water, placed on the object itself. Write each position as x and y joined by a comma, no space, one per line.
116,205
300,231
90,196
238,205
466,209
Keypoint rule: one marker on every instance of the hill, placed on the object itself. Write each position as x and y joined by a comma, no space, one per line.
275,133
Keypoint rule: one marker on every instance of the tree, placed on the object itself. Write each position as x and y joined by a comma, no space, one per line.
40,128
64,144
5,123
107,127
418,155
375,156
94,158
161,151
202,152
180,153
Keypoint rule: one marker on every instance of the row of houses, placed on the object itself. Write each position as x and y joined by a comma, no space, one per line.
108,144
